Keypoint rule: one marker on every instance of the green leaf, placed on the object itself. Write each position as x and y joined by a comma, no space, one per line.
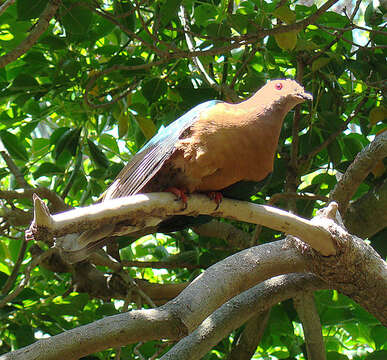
334,355
74,174
98,157
69,140
146,125
27,9
47,169
352,146
204,14
14,146
169,10
40,146
320,63
24,335
57,133
24,82
110,142
377,355
106,309
76,18
379,335
334,152
54,42
4,171
153,89
125,8
373,16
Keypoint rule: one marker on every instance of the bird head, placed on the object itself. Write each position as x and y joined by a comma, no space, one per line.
284,91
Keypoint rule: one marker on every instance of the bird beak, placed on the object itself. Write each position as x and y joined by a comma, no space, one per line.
305,96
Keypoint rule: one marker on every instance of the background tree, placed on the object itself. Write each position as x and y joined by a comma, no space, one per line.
85,83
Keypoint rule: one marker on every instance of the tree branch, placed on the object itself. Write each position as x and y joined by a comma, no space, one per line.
15,271
132,210
4,6
367,215
334,135
237,311
364,162
307,312
26,279
41,26
14,170
234,237
180,316
246,345
57,202
220,283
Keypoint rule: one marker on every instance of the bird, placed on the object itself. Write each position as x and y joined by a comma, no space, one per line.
213,148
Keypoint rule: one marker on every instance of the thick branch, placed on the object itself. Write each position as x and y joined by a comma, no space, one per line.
237,311
364,162
357,271
180,316
39,29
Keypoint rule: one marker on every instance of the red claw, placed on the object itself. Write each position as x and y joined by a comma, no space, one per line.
216,196
181,194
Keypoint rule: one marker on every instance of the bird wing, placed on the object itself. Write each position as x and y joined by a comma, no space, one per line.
149,160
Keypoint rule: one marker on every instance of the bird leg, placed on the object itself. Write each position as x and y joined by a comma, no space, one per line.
216,196
181,194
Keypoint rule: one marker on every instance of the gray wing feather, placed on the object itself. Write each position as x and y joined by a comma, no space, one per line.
149,160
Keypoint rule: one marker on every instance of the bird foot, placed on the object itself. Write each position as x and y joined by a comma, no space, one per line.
216,196
181,194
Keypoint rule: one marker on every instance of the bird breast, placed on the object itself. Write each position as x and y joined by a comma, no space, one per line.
226,146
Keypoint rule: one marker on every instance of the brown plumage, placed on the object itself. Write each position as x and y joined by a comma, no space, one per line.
215,146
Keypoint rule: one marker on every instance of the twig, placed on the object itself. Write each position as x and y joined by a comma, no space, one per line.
333,136
57,203
114,99
41,26
296,123
159,264
125,276
247,60
113,68
111,18
15,271
355,10
27,275
293,195
245,346
324,28
14,170
4,6
191,47
198,64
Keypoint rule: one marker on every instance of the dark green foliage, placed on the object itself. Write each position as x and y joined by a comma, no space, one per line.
76,146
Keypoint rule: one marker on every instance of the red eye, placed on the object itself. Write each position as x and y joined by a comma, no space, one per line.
278,86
